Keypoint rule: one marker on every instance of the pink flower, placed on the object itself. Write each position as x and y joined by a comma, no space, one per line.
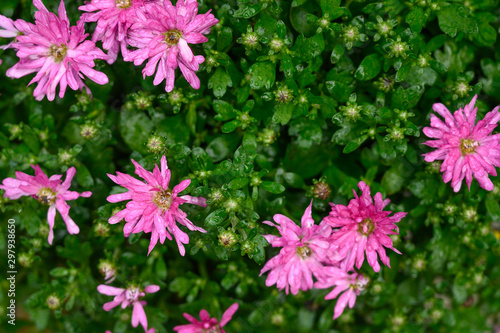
108,270
364,227
304,250
206,324
114,18
57,53
52,192
162,34
351,284
129,296
466,148
12,29
154,207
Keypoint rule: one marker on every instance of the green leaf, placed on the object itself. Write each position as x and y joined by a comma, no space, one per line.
224,110
459,289
353,145
369,68
487,34
248,11
283,113
273,187
493,207
4,141
337,53
386,149
307,49
403,71
221,147
83,177
392,181
329,7
339,91
308,132
281,29
456,18
416,19
263,75
238,183
294,180
216,217
438,67
31,139
421,76
135,129
219,82
286,65
406,99
229,127
174,130
59,272
161,268
296,3
224,38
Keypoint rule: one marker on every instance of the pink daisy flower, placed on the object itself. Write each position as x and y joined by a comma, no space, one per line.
52,192
364,226
350,284
162,34
466,148
114,18
129,296
12,29
154,207
304,250
59,55
207,324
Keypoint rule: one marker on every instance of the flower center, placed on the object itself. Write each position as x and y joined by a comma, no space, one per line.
172,37
304,252
360,283
163,199
46,196
468,146
132,294
58,52
366,227
123,3
213,329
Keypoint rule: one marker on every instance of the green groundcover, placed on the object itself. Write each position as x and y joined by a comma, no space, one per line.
262,117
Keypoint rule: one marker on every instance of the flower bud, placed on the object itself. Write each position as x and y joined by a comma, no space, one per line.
228,238
101,229
25,259
247,247
107,269
283,94
53,302
88,131
155,144
321,189
231,205
267,136
277,319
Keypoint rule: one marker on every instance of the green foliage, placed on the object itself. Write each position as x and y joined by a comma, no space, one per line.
291,92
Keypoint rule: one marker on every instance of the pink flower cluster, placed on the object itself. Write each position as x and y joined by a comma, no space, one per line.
59,55
52,192
207,324
155,206
129,296
467,149
329,251
160,32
